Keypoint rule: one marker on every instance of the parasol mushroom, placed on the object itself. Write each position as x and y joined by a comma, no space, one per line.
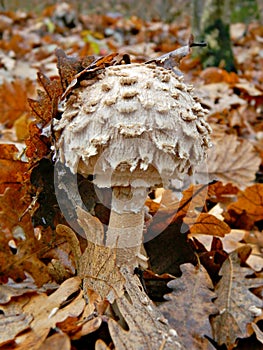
133,127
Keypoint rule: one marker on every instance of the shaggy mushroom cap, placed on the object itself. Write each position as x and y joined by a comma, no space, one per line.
132,125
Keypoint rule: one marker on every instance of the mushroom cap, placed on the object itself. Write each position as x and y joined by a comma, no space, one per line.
132,125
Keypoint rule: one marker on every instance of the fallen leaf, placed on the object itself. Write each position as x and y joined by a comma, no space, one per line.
71,238
97,265
258,332
211,256
47,311
189,306
100,345
91,225
13,100
249,202
90,319
219,98
172,210
215,75
56,341
235,301
16,224
13,171
12,289
148,329
45,107
207,224
99,271
38,145
68,66
231,160
87,328
12,325
248,88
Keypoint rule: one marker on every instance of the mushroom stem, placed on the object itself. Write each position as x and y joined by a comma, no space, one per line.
125,231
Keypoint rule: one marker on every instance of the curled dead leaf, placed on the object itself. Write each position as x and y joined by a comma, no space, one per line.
249,201
207,224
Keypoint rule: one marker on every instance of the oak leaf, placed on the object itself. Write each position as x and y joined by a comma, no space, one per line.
97,265
12,325
21,251
99,271
13,100
207,224
38,145
68,66
171,209
235,301
45,107
13,171
56,341
47,311
231,160
100,345
148,329
18,226
249,202
11,289
90,319
189,306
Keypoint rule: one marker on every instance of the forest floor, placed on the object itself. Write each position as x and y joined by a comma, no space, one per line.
206,240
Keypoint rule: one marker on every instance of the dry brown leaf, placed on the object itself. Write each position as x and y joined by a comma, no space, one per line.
219,97
231,160
207,224
148,329
11,289
68,66
100,345
45,107
217,192
173,210
91,225
90,319
47,311
88,327
190,305
212,75
38,145
13,170
56,341
235,301
249,202
97,265
12,325
13,100
236,239
71,238
258,332
18,227
99,271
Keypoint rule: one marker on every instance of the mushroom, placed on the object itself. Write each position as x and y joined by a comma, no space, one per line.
133,127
